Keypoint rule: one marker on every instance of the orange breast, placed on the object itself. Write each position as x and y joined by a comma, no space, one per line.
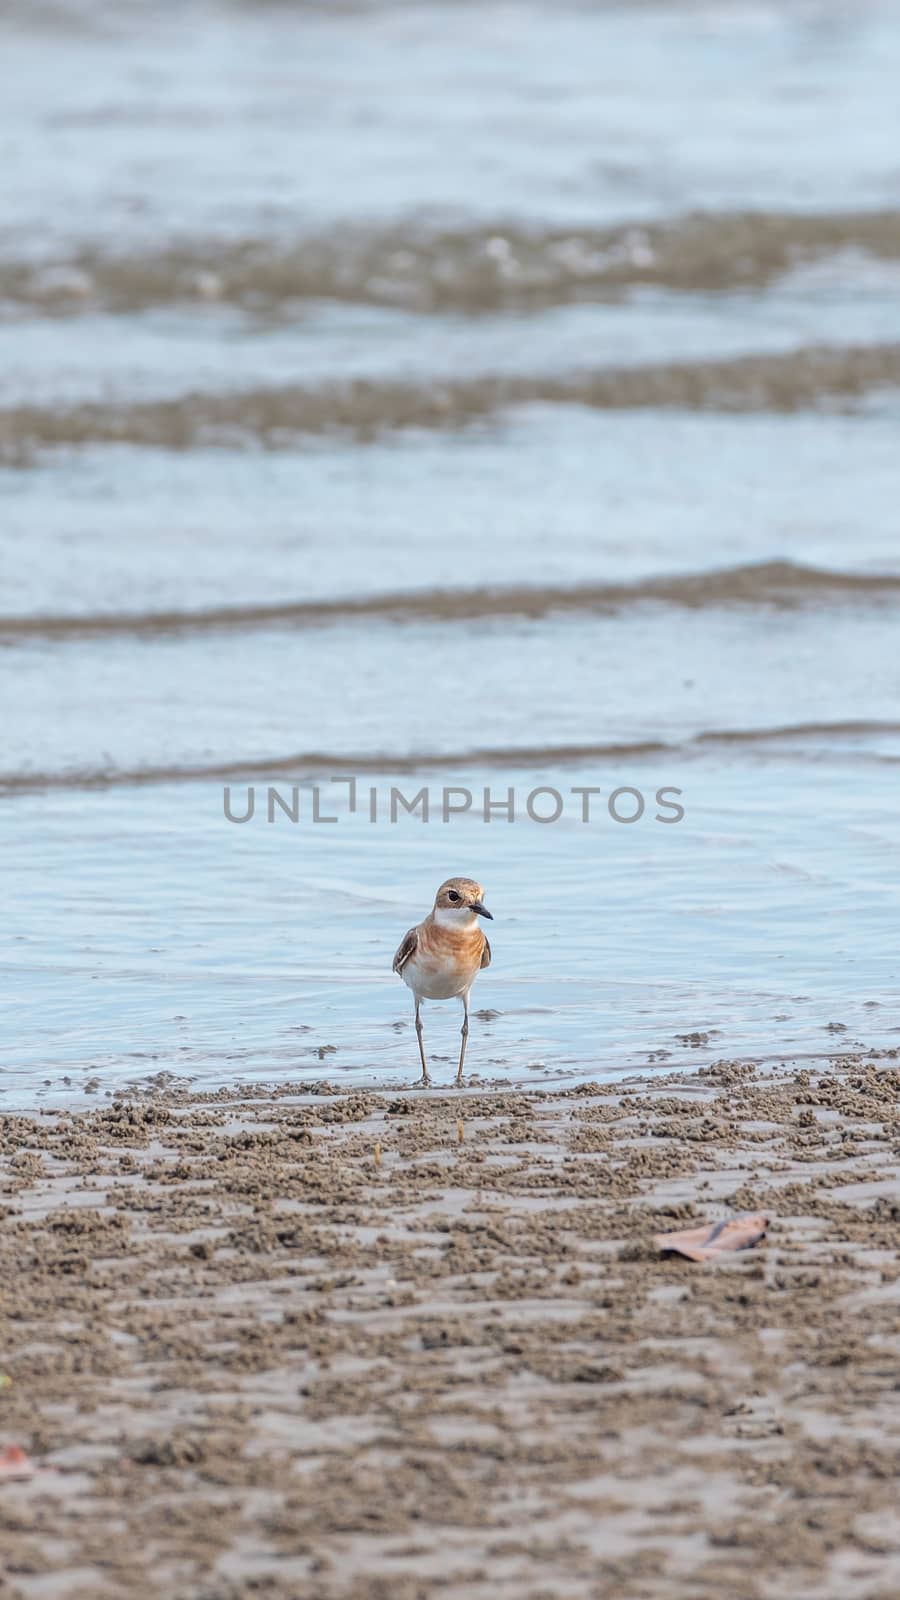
452,947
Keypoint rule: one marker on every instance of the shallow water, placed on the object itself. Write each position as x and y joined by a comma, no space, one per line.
158,936
497,397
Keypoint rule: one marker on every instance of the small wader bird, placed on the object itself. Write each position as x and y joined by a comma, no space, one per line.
441,957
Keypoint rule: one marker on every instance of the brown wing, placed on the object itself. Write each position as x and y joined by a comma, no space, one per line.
486,955
406,949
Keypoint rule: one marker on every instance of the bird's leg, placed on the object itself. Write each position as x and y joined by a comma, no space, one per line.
424,1078
464,1030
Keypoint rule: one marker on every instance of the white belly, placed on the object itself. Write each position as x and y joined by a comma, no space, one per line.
431,982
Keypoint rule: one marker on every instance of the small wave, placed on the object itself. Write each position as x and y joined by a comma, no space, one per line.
276,417
784,584
307,765
467,269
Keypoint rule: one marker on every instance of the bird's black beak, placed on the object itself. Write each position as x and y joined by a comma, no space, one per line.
476,905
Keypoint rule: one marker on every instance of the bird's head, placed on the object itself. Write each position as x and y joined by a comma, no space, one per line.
460,901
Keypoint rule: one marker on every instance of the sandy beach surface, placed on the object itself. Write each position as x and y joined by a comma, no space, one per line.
398,1345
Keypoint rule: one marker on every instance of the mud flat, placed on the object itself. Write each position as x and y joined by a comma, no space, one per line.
357,1345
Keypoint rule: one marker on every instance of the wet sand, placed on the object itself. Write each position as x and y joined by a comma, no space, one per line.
257,1360
363,410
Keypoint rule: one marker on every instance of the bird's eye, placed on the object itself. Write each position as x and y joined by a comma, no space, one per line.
452,894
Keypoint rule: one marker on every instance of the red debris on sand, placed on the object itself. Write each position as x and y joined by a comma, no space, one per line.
14,1463
715,1238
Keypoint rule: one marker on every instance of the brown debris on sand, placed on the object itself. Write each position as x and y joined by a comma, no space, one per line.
715,1238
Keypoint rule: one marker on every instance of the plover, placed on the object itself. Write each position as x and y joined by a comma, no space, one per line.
441,957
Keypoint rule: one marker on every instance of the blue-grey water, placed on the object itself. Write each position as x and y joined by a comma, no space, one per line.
498,397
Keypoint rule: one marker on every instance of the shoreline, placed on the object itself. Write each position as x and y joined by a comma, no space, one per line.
186,1089
386,1344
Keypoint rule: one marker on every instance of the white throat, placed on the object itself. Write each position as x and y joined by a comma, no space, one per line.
454,916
